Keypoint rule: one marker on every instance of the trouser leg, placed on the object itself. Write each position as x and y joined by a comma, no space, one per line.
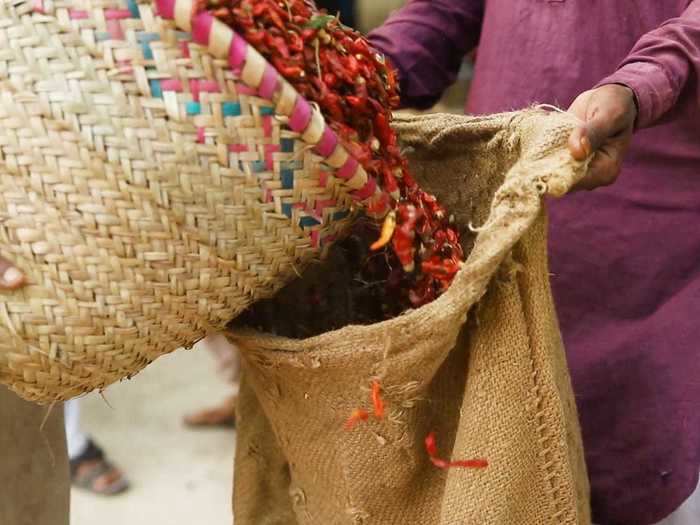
33,464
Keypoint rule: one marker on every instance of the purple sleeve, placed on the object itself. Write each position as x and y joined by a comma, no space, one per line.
426,40
660,64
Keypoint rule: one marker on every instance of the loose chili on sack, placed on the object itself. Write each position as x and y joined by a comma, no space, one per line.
355,88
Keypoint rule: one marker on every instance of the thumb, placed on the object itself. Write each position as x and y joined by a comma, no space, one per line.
587,138
579,143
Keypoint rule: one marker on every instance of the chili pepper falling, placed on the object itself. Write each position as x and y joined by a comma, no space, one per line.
387,231
355,88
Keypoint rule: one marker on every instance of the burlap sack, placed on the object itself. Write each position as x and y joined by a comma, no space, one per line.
34,477
490,379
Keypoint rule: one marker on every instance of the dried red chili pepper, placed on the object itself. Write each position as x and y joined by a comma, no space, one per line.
383,130
356,103
355,88
330,80
256,38
404,235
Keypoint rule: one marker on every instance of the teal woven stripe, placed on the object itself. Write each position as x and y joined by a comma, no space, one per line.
156,90
287,145
308,222
193,108
231,109
287,177
133,8
145,39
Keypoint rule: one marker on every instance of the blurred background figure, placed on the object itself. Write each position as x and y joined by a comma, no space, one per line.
229,366
345,8
89,467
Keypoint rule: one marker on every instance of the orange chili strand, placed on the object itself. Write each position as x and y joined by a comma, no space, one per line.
377,400
358,414
431,448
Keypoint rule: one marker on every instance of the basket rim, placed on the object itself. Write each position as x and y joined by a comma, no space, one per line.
257,73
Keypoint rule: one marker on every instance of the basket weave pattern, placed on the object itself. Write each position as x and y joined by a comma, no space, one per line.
151,187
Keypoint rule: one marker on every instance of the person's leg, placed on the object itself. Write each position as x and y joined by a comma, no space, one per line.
34,479
228,363
89,467
75,437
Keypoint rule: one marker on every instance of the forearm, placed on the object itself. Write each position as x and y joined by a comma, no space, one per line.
660,64
426,40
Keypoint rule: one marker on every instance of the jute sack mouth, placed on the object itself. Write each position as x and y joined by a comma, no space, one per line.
482,367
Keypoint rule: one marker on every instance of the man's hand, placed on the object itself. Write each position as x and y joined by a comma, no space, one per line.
608,114
10,277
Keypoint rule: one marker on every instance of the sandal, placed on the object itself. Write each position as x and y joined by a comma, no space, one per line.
92,472
223,415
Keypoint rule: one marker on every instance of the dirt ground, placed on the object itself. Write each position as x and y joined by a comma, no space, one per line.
179,476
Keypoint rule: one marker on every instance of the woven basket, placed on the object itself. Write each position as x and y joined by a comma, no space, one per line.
156,177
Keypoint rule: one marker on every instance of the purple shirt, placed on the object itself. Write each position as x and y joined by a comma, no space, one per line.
625,259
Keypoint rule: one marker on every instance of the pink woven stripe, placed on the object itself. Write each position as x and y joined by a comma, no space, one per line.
237,148
366,191
301,115
326,146
269,150
267,125
209,86
236,53
347,170
194,89
76,14
322,205
200,135
315,237
171,84
166,8
269,82
117,14
323,179
245,90
185,46
201,28
114,28
39,6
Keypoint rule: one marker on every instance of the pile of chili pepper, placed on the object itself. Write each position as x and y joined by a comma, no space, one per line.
356,89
